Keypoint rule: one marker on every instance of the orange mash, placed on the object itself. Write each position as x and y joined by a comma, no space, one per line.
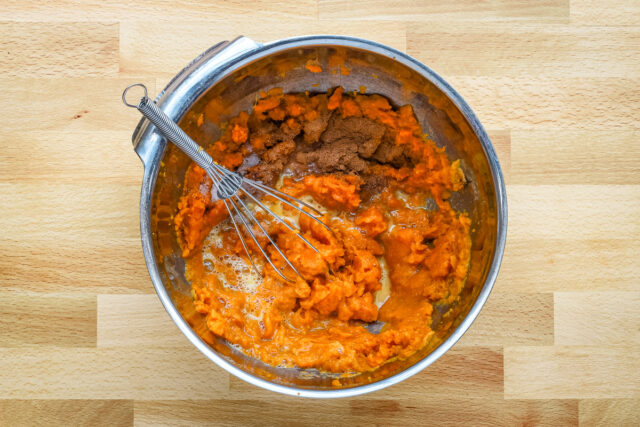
389,258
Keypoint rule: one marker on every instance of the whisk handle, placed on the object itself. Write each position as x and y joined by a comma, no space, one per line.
169,129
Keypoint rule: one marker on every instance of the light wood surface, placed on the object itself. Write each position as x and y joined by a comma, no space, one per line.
83,338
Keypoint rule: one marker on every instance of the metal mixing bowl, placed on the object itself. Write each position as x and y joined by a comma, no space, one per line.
231,74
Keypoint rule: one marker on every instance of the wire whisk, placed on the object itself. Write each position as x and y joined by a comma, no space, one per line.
230,186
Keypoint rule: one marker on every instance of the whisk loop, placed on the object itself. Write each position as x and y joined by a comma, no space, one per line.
230,187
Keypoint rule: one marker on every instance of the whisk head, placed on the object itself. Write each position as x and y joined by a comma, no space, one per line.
230,186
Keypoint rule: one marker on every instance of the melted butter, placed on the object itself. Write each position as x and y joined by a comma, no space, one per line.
381,296
214,239
243,276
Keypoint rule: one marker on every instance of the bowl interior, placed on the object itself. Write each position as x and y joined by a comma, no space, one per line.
351,68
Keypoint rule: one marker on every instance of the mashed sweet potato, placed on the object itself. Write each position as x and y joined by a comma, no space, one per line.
388,259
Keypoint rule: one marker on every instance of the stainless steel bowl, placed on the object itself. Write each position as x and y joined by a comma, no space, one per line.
232,73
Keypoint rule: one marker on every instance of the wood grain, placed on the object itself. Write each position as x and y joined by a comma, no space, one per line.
66,412
618,412
513,319
53,203
84,339
44,265
138,37
53,157
594,12
509,49
591,318
35,319
445,411
575,157
67,104
116,314
157,11
550,264
539,212
145,373
62,49
571,372
559,102
464,10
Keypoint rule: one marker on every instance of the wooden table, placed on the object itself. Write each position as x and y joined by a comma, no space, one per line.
84,339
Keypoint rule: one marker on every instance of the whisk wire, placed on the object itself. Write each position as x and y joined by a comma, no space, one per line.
281,221
244,244
276,194
273,191
242,217
251,217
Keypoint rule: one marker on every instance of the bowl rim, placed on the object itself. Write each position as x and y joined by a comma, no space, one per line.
151,153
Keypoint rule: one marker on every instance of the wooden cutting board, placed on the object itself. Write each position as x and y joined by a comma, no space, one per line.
83,338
